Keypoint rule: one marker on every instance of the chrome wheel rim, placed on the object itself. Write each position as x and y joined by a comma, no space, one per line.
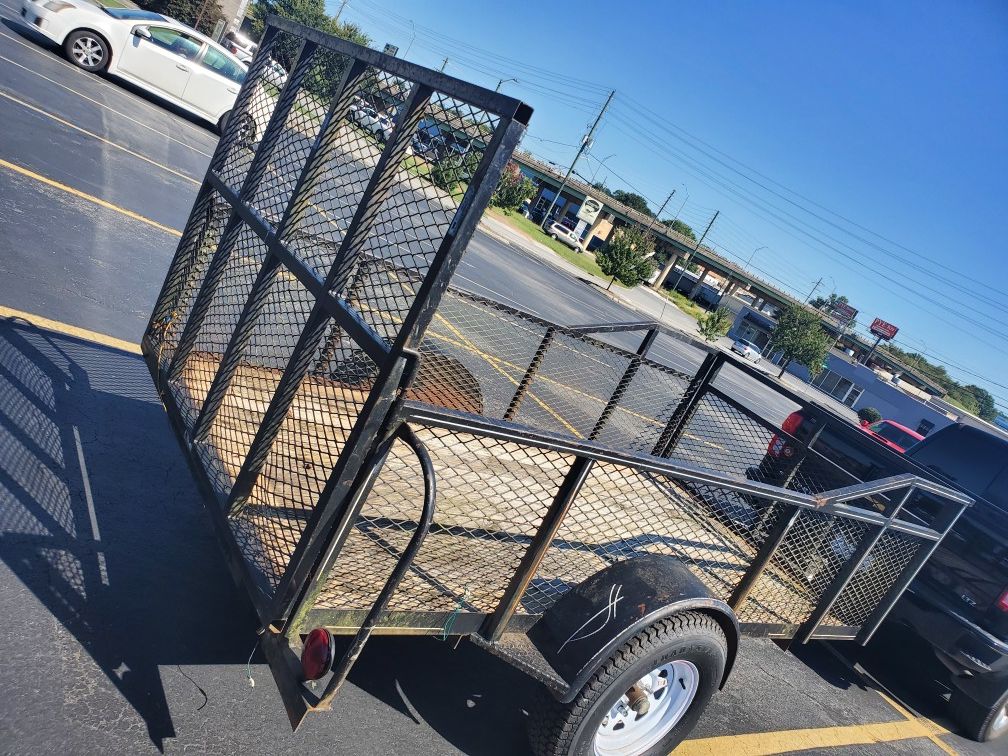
1000,722
87,51
646,713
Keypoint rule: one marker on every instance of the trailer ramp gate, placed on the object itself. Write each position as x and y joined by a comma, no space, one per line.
323,379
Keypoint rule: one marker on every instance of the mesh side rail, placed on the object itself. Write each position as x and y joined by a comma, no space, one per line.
629,506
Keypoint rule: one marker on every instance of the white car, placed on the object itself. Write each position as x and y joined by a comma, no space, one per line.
152,51
563,234
370,120
747,349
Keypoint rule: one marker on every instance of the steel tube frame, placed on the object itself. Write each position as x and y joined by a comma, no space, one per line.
840,582
624,382
342,669
676,425
576,476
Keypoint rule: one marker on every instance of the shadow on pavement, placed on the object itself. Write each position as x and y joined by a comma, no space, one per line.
134,576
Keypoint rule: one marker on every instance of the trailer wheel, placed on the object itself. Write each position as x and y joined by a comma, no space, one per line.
644,699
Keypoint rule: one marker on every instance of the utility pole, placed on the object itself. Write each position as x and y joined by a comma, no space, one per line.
817,285
342,5
443,64
584,145
660,211
497,88
668,266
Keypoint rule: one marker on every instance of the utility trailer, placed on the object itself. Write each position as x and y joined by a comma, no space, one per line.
384,453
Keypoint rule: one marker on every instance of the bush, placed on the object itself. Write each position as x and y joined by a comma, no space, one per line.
869,415
626,256
513,189
715,324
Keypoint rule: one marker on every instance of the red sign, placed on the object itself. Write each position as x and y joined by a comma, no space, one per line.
844,311
885,330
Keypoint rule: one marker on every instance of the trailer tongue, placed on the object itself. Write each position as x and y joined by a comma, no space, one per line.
383,453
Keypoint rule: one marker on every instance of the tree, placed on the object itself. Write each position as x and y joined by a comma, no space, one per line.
202,15
683,228
600,185
513,189
307,12
715,324
830,303
632,200
799,336
869,415
627,256
985,402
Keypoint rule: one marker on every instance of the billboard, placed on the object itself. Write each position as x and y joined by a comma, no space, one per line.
844,312
882,329
590,210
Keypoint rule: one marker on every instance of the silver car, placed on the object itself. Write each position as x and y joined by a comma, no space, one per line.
747,349
563,234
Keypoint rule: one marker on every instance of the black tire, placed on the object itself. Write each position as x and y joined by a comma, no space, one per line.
88,50
247,134
557,729
979,722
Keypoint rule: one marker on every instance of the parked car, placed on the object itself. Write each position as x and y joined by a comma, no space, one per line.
563,234
154,52
371,121
892,434
958,603
747,349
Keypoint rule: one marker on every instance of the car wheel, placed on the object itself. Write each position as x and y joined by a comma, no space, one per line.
644,699
247,132
980,722
87,50
554,237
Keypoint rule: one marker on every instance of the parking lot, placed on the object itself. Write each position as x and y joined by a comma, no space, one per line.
125,633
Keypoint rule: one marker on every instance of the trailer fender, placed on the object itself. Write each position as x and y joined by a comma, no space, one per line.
588,623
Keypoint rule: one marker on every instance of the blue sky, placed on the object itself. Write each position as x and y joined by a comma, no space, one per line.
863,143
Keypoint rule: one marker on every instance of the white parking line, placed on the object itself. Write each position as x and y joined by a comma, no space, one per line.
102,105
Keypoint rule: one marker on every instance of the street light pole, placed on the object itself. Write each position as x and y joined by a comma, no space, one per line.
654,218
584,145
689,257
497,88
600,164
749,261
412,37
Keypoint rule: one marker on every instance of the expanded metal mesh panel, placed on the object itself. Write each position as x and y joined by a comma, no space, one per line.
621,513
875,577
492,496
814,551
650,399
199,241
338,183
509,364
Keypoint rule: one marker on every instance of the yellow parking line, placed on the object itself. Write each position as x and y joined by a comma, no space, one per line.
102,139
84,196
787,741
66,329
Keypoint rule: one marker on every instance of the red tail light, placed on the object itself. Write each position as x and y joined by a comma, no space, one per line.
317,654
778,446
792,422
1002,602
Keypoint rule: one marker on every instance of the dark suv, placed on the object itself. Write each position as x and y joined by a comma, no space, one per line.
958,603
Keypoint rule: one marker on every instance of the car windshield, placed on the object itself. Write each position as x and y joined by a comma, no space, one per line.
133,14
890,432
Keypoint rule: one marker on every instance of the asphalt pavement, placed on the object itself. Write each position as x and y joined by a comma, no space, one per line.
124,632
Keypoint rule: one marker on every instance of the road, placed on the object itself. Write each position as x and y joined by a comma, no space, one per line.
127,633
